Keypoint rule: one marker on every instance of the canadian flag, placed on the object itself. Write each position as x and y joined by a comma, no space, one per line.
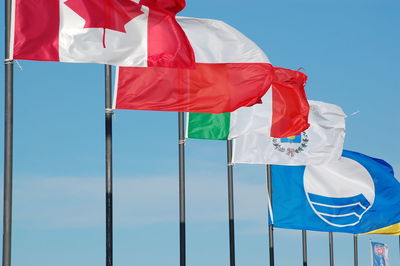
116,32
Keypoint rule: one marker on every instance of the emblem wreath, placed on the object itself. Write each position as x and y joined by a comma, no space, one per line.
291,151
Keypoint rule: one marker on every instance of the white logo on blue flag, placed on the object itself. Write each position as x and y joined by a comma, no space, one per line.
336,200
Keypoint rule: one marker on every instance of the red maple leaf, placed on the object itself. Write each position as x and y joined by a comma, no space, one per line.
106,14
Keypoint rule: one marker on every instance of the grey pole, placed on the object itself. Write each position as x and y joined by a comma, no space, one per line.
270,227
304,240
355,240
182,216
331,260
109,172
231,204
8,140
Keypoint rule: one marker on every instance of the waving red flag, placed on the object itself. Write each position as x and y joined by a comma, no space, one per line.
173,6
117,32
231,72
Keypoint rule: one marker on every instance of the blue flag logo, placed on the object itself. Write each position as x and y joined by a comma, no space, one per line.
339,201
340,212
356,194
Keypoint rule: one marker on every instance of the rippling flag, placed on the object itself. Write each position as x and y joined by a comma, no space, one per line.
282,113
355,194
393,229
380,254
320,143
118,32
230,71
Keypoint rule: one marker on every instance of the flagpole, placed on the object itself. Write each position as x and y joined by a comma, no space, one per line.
331,261
8,139
109,172
371,248
182,219
270,226
231,204
304,240
355,240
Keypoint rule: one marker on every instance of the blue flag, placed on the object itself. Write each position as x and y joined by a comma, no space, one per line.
355,194
379,254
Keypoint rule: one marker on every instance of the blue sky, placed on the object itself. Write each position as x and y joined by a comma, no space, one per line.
349,50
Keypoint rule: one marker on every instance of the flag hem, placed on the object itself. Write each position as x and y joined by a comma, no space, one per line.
12,31
187,125
115,88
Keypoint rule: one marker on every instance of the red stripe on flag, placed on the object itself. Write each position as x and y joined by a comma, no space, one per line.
289,103
173,6
36,30
210,88
167,43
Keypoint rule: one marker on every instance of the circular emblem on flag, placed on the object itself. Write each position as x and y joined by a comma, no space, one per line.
291,145
379,250
340,192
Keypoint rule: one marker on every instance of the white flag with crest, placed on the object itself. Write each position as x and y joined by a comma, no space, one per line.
321,143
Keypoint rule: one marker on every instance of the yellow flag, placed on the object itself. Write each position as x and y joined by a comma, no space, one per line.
388,230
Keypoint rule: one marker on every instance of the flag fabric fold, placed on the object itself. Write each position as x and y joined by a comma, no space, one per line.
230,71
321,143
283,112
118,32
356,194
173,6
289,103
393,229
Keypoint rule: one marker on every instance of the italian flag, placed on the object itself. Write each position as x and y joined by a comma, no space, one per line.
116,32
283,113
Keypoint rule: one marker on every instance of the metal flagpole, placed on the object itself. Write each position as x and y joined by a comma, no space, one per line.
8,140
304,240
355,240
270,227
109,183
182,222
331,261
230,204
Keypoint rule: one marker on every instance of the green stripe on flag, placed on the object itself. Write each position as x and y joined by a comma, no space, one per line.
209,126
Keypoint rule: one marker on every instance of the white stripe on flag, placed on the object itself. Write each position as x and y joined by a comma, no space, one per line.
79,44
